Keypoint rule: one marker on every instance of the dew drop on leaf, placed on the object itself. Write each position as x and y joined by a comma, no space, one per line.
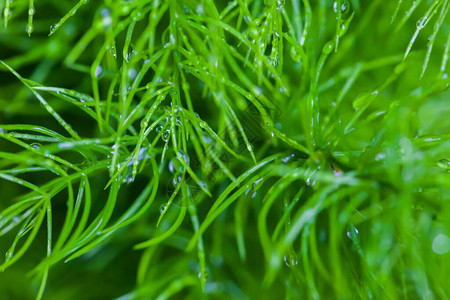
36,146
291,259
166,134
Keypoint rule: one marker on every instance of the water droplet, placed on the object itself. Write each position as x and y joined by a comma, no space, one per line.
36,146
171,166
23,231
344,6
144,123
247,190
328,48
165,136
158,129
205,275
203,124
287,158
176,180
137,15
255,184
429,140
178,121
291,259
128,57
203,185
98,71
128,178
53,28
2,130
184,156
280,4
444,163
112,50
380,156
8,255
421,22
352,233
29,29
162,208
172,39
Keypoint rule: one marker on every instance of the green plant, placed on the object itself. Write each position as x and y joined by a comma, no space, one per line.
242,149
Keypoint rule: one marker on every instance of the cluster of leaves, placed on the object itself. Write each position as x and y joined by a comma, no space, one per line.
250,148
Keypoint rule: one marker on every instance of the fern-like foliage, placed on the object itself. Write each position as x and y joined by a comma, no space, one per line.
155,149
